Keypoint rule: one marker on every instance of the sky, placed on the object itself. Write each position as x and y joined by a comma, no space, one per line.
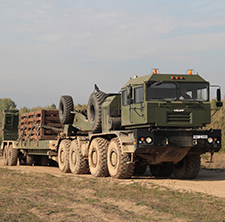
50,48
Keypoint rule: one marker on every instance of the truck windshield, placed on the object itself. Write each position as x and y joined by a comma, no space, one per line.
161,91
193,91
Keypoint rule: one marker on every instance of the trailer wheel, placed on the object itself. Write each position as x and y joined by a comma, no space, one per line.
94,110
65,108
97,157
188,168
78,164
30,160
164,170
119,164
12,156
63,156
5,156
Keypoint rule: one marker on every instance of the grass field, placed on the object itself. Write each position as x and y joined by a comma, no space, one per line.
44,197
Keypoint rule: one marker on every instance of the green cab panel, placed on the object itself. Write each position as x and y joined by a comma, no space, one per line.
165,100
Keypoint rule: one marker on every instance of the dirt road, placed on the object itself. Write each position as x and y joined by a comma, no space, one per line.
211,182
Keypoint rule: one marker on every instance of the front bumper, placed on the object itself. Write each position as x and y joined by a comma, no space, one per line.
198,141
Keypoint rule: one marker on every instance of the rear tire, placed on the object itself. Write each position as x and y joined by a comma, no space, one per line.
188,168
78,163
12,156
97,157
63,156
119,164
65,108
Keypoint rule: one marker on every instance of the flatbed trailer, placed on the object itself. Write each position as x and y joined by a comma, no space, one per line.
33,139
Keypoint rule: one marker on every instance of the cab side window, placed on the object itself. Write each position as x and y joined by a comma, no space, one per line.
139,95
124,98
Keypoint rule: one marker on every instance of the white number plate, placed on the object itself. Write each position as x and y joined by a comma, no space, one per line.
197,137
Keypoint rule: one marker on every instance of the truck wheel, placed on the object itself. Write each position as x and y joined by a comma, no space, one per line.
97,157
78,164
5,156
65,108
164,170
119,164
188,168
139,168
12,156
94,110
30,160
63,156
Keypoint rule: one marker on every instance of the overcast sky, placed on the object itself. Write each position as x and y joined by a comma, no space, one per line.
50,48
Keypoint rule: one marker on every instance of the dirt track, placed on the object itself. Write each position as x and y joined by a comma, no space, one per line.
211,182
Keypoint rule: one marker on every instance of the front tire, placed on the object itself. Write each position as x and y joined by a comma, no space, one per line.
119,164
97,157
63,156
78,164
188,168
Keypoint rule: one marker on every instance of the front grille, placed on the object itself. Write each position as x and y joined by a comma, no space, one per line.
173,117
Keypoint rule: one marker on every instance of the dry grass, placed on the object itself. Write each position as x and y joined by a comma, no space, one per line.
44,197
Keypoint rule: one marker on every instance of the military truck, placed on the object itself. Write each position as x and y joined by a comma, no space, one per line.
157,120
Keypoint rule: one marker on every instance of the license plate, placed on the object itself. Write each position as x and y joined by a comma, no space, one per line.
203,137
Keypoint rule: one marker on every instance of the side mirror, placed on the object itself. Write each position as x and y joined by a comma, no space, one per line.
218,95
129,94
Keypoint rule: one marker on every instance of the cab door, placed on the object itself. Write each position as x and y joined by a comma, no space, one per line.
137,106
133,106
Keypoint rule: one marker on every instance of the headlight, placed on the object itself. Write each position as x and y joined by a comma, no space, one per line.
148,139
210,139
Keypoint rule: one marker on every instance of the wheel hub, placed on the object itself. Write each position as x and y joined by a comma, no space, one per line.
73,158
61,156
113,158
94,158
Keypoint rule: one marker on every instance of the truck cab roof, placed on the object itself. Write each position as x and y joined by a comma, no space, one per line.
164,77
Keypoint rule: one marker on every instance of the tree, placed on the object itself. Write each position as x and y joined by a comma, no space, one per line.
53,106
24,109
6,104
